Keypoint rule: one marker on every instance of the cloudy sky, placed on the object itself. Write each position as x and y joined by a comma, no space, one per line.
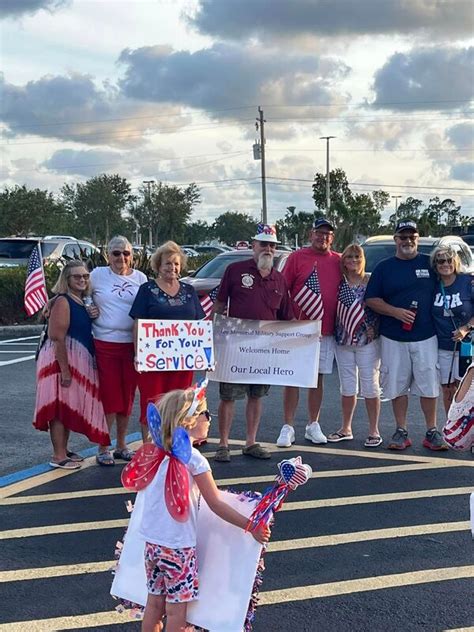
169,90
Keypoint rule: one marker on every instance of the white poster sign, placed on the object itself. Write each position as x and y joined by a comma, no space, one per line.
284,353
180,345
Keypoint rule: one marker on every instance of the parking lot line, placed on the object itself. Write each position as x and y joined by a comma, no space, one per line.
266,598
289,506
302,543
7,362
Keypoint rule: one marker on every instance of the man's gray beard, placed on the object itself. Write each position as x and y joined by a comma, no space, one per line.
265,261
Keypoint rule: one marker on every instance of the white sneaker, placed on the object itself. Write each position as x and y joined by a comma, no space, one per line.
286,436
314,433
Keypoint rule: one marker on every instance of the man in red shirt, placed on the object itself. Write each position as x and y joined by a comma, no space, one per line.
250,289
299,266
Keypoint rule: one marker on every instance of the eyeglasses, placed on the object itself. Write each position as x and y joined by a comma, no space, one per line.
125,253
412,237
323,233
78,277
440,262
353,257
264,244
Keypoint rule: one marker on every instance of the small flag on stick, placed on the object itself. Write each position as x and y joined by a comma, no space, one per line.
207,301
36,296
309,298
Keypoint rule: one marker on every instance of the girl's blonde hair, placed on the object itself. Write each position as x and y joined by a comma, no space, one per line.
62,284
353,249
174,408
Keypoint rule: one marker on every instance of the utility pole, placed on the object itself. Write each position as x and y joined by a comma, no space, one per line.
148,184
396,198
261,122
328,185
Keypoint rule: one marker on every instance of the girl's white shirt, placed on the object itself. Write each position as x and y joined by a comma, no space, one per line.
462,408
157,526
114,295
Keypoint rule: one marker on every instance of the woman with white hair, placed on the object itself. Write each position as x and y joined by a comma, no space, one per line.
113,291
453,315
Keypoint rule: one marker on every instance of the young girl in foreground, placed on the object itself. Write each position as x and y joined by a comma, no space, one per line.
170,552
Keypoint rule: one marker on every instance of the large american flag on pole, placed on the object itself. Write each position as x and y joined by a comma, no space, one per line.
35,286
309,298
207,301
350,313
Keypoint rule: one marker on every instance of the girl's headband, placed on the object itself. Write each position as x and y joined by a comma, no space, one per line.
199,395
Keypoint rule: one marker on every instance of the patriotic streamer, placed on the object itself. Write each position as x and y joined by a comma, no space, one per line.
293,472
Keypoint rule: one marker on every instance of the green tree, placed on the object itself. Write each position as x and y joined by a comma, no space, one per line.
353,214
232,226
167,210
295,226
197,232
31,211
97,206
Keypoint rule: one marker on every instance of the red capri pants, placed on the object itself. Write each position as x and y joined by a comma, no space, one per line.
117,376
154,384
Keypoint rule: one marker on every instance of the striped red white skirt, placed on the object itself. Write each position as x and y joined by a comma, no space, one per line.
77,407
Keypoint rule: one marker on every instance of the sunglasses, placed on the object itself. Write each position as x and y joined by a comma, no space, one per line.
406,237
353,257
264,244
440,262
207,415
125,253
78,277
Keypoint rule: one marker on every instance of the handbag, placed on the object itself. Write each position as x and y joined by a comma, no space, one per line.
44,332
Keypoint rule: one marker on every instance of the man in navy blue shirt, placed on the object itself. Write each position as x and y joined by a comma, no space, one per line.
401,291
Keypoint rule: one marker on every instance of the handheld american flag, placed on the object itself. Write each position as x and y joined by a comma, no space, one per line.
350,313
35,286
309,298
207,301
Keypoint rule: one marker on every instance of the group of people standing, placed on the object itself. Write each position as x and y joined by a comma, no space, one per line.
397,331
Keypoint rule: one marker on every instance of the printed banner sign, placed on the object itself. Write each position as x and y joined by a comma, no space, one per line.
284,353
175,345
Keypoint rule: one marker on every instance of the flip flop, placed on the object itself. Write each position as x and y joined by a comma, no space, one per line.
73,456
335,437
65,464
373,441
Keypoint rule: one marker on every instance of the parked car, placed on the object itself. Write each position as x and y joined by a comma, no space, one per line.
211,249
190,252
209,275
15,251
383,246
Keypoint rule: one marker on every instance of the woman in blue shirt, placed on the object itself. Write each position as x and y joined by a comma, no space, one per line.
164,298
453,315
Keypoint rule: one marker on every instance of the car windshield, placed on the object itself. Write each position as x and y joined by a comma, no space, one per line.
374,253
21,249
215,268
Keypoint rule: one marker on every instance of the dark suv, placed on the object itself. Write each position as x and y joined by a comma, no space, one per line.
15,251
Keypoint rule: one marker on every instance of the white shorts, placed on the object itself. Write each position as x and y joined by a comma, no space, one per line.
445,361
327,351
359,364
409,367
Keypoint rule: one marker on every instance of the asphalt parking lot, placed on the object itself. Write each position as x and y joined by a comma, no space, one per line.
376,541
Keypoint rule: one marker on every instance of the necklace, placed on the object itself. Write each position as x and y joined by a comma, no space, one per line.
76,298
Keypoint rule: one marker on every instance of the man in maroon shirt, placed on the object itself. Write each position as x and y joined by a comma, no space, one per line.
250,289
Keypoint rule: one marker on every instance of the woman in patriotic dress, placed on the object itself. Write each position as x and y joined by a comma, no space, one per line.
357,348
67,394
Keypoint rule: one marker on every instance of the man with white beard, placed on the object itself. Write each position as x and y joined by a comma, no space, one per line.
253,290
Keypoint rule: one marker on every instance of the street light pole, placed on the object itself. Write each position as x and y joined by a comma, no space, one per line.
148,184
261,121
328,185
396,198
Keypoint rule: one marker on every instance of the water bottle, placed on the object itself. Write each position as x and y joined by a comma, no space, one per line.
413,308
88,303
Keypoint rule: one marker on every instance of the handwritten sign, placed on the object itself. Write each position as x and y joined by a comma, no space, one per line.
284,353
175,345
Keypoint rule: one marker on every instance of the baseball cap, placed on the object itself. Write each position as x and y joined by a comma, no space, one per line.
406,224
266,232
322,221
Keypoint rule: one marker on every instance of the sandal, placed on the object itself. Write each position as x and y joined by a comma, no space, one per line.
256,451
373,441
74,457
124,454
105,458
222,454
335,437
65,464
